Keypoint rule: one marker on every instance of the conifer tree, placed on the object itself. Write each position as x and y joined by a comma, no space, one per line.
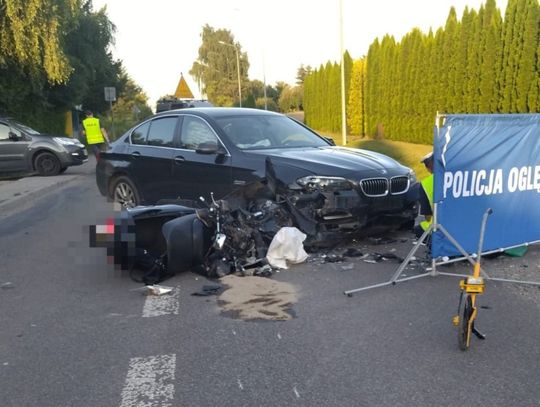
355,102
450,62
526,74
508,60
490,50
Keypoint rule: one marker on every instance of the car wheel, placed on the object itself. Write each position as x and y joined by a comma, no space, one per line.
124,192
47,164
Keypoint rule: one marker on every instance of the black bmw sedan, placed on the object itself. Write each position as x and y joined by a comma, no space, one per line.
188,153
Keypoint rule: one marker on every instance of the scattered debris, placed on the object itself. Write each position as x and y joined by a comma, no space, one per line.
381,240
352,252
6,286
388,256
348,266
155,289
236,233
208,290
332,258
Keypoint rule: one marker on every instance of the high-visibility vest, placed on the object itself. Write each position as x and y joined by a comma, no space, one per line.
93,131
427,185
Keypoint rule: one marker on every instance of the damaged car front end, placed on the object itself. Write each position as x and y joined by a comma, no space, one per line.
326,207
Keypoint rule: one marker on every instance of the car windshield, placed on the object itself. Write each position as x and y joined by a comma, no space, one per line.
26,129
265,132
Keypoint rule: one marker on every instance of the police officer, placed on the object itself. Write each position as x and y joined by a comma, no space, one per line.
96,136
426,196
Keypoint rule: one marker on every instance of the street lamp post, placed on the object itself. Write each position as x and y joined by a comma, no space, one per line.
238,69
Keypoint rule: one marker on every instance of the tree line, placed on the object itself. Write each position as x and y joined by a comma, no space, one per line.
54,57
480,63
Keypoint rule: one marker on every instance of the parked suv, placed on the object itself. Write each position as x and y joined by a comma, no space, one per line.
23,149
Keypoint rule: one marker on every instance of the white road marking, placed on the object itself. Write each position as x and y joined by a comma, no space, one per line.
150,382
157,305
279,335
296,392
234,332
240,385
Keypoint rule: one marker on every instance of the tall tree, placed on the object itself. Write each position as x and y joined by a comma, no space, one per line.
85,46
31,34
490,44
216,67
301,73
355,105
527,75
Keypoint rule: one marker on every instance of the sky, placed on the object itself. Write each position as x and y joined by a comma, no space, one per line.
158,40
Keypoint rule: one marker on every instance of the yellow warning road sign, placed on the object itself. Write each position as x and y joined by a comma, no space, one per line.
182,90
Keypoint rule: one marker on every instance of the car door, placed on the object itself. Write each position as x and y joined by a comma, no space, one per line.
151,155
13,151
198,173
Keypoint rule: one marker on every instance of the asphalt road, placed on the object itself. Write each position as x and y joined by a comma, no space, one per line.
74,333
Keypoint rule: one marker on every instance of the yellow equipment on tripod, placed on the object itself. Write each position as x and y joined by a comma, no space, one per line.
470,288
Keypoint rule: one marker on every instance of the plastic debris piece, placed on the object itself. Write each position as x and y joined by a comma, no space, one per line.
287,247
381,240
7,286
155,289
388,256
349,266
333,258
352,252
370,261
208,290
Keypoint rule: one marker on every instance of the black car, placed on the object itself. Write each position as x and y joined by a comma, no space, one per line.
23,150
188,153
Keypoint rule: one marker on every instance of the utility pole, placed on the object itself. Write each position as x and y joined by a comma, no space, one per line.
343,108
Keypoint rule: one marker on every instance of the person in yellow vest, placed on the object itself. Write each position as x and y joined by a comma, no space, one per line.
426,196
96,136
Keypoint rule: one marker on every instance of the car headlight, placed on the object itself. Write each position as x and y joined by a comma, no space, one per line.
68,141
322,182
412,177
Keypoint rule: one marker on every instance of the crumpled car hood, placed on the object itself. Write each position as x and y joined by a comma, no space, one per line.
345,162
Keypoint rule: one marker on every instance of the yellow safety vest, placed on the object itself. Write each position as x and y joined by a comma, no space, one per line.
93,131
427,185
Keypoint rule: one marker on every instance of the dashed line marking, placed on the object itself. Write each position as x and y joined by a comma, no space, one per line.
240,385
168,304
150,382
296,392
279,335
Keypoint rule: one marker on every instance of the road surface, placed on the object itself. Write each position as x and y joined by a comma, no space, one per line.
75,333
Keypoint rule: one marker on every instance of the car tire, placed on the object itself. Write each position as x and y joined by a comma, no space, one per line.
62,170
47,164
124,192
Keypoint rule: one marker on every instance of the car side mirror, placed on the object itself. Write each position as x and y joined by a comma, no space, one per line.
13,136
209,148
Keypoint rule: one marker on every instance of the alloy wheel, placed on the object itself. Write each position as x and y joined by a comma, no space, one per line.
124,195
